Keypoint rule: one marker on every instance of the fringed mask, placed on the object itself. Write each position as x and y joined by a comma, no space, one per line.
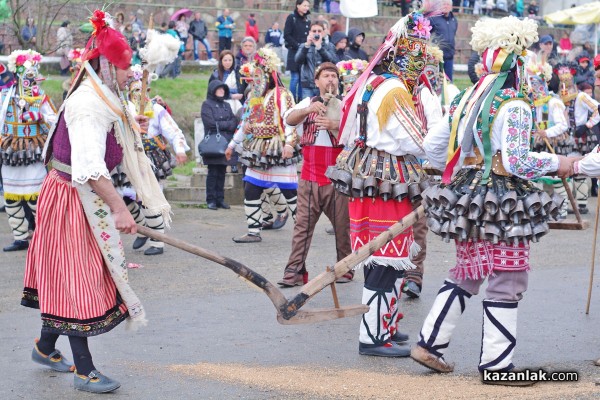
135,90
567,89
349,71
24,64
538,76
407,60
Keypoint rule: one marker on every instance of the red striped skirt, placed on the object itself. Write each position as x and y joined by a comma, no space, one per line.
65,274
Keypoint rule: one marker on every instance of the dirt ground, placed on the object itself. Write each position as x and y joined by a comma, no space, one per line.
212,336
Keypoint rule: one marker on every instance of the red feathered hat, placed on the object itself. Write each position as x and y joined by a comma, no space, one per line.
107,42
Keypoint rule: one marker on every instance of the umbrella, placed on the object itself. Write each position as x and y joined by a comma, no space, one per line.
86,28
585,14
184,11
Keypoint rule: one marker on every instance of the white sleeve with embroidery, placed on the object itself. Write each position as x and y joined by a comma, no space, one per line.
170,130
589,165
557,116
511,134
583,106
88,128
436,143
49,115
393,138
431,106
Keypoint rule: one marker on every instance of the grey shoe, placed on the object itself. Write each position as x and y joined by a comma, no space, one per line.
280,221
153,251
389,349
54,360
139,242
411,289
95,382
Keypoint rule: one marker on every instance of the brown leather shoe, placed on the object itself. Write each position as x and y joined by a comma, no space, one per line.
426,359
292,278
248,238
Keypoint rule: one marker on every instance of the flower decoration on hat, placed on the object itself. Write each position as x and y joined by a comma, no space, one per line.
566,73
267,59
351,67
20,61
75,55
107,41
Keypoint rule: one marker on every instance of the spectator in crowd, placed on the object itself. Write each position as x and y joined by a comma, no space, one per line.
174,68
340,42
355,40
549,54
252,28
182,27
309,56
295,32
227,73
334,26
217,118
120,22
64,39
136,42
533,10
225,26
199,30
517,8
547,50
444,28
316,4
565,43
585,73
274,38
29,33
135,21
247,51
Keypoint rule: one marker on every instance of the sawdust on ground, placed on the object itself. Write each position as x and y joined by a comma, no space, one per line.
312,381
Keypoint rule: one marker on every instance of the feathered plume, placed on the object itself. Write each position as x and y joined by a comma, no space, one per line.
160,48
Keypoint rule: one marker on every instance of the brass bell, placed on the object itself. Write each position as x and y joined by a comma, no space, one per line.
400,191
370,186
424,184
462,228
476,208
509,201
492,233
434,225
490,202
357,187
414,192
518,213
532,203
462,205
447,198
385,190
514,233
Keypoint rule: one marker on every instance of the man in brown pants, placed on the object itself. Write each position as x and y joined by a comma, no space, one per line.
317,128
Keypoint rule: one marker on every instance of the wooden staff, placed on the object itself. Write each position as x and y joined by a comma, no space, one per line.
580,223
145,75
589,298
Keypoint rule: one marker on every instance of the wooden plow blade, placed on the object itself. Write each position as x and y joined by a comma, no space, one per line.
289,311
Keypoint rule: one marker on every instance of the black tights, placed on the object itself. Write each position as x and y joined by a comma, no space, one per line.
79,347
